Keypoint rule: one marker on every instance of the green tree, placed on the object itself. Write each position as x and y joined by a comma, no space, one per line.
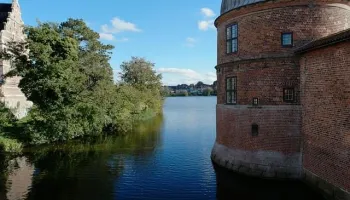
165,91
67,75
141,74
207,91
64,74
199,84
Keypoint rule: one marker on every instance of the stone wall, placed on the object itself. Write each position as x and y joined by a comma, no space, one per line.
10,92
325,86
264,164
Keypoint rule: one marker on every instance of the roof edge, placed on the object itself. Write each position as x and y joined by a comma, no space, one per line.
238,8
228,5
325,41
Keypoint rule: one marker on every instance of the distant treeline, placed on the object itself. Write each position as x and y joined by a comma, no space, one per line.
198,89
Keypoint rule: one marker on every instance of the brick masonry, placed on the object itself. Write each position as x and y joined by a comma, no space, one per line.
260,26
309,137
263,79
279,128
325,86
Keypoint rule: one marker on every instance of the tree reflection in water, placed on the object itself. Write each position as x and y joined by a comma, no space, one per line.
85,169
231,185
4,165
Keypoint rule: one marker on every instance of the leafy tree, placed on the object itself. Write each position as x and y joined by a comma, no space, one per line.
215,86
208,91
182,93
199,84
67,75
165,91
140,73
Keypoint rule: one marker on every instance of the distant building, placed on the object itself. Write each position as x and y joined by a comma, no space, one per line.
191,89
284,91
11,27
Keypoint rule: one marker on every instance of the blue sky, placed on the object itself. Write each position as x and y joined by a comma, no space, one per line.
177,35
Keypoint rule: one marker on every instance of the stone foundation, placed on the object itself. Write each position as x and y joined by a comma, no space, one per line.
264,164
328,190
273,165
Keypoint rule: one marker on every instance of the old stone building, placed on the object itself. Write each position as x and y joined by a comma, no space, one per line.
11,27
283,106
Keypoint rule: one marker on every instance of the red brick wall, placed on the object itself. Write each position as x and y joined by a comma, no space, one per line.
260,79
263,68
325,85
279,128
260,27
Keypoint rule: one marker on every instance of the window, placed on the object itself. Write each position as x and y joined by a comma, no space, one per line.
255,130
288,95
231,90
287,39
232,39
255,101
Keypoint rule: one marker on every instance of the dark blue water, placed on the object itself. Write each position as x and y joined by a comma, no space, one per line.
166,158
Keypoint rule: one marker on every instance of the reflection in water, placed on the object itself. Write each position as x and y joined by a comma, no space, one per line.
20,178
15,177
163,159
78,170
232,185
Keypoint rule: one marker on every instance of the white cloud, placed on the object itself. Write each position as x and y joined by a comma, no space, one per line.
107,36
123,40
205,25
175,76
208,21
190,42
110,37
118,25
185,72
207,12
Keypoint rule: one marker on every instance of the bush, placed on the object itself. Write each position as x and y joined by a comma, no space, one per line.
8,145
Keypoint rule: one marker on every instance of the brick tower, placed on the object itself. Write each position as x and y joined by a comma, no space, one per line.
259,107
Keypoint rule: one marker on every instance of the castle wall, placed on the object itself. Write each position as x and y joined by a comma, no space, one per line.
325,85
274,153
263,79
263,68
260,26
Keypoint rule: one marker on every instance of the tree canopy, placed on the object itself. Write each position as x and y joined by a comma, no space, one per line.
140,73
67,76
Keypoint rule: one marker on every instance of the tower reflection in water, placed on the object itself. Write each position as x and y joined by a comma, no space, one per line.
231,185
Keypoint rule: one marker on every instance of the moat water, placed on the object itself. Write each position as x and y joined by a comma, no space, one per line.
166,158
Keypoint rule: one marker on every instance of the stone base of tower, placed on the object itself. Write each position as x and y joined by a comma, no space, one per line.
264,164
14,99
17,104
329,190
